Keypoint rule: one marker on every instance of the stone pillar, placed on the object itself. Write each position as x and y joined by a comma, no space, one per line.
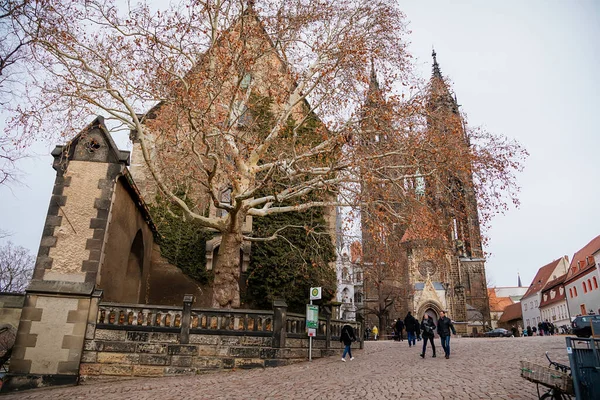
59,304
327,310
279,323
186,319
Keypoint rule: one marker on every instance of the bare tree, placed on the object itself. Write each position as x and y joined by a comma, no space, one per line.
205,70
16,267
14,42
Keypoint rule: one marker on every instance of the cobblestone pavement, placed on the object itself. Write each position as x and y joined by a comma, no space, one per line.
486,368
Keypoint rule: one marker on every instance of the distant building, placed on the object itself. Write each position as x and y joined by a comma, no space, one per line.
582,280
497,306
530,302
350,280
512,316
553,306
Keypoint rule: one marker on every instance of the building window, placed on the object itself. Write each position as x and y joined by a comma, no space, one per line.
345,274
536,303
525,306
570,292
584,288
574,291
589,285
595,283
538,320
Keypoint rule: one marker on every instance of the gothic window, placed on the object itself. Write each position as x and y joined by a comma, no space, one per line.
574,291
359,276
589,285
224,197
358,297
595,283
571,292
584,288
427,268
345,274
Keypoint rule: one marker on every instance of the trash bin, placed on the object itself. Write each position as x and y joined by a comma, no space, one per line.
584,357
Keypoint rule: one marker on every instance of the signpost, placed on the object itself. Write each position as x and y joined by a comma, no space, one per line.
312,318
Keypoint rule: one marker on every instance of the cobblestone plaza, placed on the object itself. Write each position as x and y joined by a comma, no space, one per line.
483,368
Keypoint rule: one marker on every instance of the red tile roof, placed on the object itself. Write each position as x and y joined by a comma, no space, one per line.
555,285
511,313
541,278
498,304
583,255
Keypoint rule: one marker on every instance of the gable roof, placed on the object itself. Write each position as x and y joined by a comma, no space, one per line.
498,304
553,286
511,313
583,256
541,278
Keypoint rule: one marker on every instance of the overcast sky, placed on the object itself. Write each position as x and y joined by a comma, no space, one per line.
525,69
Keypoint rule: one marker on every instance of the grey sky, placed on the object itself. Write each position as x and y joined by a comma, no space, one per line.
525,69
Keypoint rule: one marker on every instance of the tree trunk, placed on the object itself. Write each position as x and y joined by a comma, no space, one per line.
226,288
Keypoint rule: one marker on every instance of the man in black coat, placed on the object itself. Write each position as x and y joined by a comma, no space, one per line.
444,327
347,336
399,329
412,325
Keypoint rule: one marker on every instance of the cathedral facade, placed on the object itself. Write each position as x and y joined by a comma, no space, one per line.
440,269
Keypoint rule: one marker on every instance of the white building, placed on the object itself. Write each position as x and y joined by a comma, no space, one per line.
530,302
583,278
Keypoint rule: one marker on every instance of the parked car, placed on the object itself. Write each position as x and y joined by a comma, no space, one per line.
499,332
582,325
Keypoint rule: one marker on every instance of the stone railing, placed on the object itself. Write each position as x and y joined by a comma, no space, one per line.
144,340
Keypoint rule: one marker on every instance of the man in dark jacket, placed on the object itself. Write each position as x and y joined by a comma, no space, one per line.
411,324
445,326
427,329
400,329
347,337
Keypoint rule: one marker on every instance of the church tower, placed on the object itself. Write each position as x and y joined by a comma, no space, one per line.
446,270
437,269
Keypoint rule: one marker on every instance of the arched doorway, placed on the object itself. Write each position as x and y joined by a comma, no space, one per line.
133,274
432,309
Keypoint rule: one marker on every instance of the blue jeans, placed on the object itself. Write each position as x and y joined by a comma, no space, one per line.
347,350
412,339
446,344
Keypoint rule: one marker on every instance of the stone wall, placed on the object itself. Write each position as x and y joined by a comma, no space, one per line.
139,340
11,305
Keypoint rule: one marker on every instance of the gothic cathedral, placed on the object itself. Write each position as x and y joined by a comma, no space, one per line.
434,272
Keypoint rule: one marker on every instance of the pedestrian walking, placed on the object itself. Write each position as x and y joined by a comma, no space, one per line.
529,331
427,329
400,330
412,325
514,331
445,326
375,332
520,328
347,337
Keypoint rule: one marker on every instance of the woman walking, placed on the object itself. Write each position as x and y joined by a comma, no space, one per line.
347,337
427,329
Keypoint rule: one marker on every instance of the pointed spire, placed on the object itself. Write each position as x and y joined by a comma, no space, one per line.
436,67
373,93
373,84
519,280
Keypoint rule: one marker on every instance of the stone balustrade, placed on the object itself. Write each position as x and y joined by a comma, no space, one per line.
145,340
